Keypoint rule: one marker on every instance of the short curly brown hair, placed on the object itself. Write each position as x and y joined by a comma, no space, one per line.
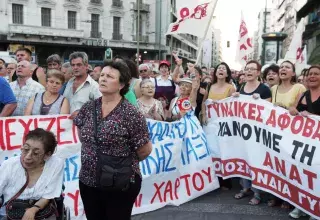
124,71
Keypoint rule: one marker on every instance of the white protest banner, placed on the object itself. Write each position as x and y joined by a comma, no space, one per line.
255,140
178,170
193,17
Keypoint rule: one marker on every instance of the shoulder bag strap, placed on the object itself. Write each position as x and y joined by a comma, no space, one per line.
309,101
95,121
20,191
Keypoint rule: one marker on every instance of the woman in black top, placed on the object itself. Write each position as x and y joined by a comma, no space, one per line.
258,90
308,104
253,86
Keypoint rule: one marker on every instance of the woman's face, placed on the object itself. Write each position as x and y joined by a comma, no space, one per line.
242,79
148,89
251,72
272,78
185,88
221,72
286,71
300,79
33,154
164,70
313,78
54,85
109,81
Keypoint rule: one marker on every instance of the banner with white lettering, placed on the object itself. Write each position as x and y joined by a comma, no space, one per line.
178,170
280,153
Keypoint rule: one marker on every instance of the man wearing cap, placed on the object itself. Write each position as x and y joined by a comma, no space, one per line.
38,74
164,85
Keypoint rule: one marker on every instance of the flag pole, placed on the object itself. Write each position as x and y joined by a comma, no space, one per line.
205,33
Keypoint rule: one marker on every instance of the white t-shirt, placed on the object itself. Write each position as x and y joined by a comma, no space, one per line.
48,186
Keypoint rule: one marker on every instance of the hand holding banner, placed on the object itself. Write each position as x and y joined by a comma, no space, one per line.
280,153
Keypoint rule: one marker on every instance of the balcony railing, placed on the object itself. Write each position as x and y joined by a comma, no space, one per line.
310,30
96,1
44,31
117,3
143,7
116,36
142,38
95,34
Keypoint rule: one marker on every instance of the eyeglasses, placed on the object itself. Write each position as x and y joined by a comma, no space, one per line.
148,87
25,151
143,71
250,69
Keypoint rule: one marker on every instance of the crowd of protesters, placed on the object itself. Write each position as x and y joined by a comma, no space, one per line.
122,95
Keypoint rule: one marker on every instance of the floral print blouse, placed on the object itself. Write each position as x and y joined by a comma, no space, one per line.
120,133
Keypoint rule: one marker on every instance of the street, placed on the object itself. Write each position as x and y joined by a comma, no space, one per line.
218,205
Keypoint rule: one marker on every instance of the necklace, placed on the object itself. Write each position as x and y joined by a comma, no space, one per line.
47,98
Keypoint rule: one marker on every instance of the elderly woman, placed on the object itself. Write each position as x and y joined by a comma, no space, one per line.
186,101
32,179
147,105
115,137
50,102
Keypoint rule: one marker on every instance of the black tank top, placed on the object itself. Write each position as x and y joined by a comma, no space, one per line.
34,75
312,107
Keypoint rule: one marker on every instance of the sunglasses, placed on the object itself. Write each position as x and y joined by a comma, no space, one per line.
143,71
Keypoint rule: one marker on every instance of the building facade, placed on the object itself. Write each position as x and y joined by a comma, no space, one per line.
264,26
64,26
216,47
284,19
311,36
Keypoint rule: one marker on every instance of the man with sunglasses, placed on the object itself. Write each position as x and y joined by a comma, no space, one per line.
144,71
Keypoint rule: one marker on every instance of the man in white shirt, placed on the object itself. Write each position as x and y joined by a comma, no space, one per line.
81,88
24,88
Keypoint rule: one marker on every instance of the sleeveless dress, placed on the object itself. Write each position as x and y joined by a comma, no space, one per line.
40,108
216,96
312,107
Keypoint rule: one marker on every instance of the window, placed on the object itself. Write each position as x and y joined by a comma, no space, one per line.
46,17
96,1
116,25
95,25
17,14
72,19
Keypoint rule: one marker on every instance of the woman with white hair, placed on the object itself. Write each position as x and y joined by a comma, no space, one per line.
147,105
